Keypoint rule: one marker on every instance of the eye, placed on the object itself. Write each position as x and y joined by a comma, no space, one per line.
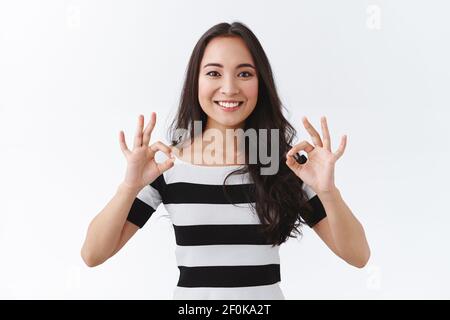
213,74
246,74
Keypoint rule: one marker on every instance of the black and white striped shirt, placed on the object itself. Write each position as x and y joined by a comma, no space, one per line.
219,251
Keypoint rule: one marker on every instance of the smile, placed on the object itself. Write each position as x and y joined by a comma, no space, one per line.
229,105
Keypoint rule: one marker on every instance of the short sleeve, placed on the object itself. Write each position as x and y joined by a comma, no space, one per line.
318,211
145,203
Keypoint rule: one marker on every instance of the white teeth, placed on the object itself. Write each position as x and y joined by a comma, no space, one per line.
228,104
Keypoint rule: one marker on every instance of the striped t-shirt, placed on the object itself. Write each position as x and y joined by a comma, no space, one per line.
219,251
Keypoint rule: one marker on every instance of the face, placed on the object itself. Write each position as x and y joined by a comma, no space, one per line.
228,83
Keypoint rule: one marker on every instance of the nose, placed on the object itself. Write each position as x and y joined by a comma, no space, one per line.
229,87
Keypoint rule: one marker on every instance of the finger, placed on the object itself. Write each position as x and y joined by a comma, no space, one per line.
304,145
159,146
340,151
293,164
312,132
123,143
325,134
148,129
166,165
138,135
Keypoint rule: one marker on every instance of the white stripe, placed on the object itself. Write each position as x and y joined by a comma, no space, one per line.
150,196
269,292
309,191
215,175
185,214
227,255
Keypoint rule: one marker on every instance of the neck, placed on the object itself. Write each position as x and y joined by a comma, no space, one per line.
217,146
211,124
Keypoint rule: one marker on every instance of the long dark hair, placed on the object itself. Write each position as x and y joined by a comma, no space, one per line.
279,198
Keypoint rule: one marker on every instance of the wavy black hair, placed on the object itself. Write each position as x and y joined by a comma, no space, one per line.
279,198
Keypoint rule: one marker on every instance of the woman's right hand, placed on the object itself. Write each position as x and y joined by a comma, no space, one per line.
142,169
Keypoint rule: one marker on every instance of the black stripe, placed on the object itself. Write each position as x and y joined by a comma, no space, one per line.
317,214
229,276
140,212
159,184
200,235
183,192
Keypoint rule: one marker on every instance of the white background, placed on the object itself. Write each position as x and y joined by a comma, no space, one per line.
74,73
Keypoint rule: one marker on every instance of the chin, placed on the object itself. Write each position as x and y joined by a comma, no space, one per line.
232,123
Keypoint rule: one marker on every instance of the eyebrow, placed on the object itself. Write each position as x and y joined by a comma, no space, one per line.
221,66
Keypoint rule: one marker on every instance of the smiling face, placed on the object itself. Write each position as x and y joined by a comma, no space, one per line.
228,83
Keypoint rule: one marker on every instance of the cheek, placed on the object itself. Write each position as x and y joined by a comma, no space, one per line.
205,90
250,90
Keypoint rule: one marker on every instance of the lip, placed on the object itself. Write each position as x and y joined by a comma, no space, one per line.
216,102
229,101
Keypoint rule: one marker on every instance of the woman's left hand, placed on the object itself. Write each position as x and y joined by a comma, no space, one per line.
318,171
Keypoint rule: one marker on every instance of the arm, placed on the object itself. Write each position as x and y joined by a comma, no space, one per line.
341,231
109,231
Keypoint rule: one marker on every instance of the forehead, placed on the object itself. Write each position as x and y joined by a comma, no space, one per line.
228,51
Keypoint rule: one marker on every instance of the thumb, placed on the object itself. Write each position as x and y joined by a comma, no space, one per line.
166,165
293,164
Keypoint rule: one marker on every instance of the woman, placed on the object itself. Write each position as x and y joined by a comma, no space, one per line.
229,216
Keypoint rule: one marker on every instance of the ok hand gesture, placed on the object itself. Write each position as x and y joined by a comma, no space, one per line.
142,169
318,170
